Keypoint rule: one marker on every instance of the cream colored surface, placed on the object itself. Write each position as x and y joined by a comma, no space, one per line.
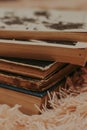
60,4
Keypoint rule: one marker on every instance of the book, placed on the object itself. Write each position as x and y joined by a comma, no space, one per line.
35,84
61,51
27,99
43,24
29,67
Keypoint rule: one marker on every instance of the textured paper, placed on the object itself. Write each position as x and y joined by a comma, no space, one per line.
43,20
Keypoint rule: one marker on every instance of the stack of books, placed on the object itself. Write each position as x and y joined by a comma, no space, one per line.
38,50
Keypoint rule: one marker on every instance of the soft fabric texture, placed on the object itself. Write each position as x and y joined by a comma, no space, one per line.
68,109
69,113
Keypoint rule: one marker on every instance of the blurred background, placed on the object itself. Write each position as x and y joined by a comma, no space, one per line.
58,4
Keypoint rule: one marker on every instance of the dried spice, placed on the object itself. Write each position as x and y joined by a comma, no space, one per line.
62,26
27,28
13,20
2,27
45,22
42,13
28,20
16,20
6,17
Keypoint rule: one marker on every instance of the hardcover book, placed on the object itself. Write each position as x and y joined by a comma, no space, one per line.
29,67
38,50
29,100
61,51
43,24
35,84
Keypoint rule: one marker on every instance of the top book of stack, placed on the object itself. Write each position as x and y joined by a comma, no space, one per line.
38,35
43,24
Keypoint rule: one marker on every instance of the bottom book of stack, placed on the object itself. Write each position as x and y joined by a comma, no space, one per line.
27,82
26,98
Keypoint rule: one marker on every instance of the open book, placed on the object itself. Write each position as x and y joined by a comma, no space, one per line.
43,24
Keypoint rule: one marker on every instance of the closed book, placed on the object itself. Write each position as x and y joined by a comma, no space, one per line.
43,24
29,67
61,51
28,100
36,84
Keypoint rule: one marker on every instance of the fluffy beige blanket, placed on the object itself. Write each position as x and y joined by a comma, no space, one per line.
67,113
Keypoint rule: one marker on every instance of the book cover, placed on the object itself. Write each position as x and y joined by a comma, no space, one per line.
61,51
29,67
26,98
35,84
43,24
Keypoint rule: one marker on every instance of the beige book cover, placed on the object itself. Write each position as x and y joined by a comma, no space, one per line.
43,24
